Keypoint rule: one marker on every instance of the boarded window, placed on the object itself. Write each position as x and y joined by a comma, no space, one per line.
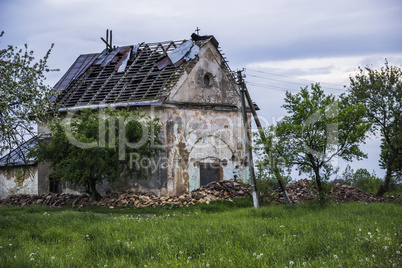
209,172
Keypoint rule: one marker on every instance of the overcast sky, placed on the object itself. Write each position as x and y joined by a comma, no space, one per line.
283,45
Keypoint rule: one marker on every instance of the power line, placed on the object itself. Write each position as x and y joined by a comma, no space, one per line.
268,86
254,84
282,81
295,78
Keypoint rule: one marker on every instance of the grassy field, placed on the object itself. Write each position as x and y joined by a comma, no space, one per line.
221,234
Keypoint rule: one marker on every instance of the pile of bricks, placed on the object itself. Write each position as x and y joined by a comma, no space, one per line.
298,192
213,191
305,190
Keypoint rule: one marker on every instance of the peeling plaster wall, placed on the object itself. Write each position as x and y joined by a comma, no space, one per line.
203,137
18,180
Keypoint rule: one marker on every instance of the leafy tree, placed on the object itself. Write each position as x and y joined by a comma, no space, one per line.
24,98
265,176
91,147
365,181
347,175
317,129
380,91
396,175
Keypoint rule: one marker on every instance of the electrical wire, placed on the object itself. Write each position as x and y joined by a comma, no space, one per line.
291,82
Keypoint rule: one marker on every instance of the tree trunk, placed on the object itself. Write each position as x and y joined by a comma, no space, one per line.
94,192
319,185
382,189
385,187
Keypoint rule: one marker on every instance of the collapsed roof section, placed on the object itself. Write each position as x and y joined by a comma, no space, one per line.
142,74
18,156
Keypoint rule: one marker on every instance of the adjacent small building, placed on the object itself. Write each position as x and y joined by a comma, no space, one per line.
187,84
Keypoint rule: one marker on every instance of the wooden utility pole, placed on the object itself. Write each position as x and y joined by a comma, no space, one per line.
273,163
248,141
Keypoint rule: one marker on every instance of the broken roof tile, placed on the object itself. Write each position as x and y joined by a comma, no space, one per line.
130,74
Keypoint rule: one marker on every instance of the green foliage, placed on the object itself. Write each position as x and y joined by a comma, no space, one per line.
347,175
266,181
380,91
396,167
317,129
365,181
342,235
24,97
91,148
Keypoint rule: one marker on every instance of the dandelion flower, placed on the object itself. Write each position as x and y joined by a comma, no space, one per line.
291,263
10,245
53,257
336,257
32,259
398,252
369,233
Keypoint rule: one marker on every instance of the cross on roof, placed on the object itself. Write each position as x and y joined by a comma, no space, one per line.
198,31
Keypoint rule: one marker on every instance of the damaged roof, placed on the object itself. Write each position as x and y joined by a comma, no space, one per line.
18,156
140,74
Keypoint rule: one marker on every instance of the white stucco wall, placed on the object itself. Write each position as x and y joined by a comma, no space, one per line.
17,180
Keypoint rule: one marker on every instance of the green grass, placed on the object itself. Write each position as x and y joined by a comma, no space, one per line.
220,234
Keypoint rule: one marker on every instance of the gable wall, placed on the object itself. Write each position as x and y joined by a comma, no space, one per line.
191,88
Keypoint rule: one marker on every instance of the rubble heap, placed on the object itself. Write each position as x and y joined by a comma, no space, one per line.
215,190
347,193
304,190
52,200
299,191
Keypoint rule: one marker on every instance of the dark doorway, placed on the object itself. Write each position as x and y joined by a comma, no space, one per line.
209,172
54,185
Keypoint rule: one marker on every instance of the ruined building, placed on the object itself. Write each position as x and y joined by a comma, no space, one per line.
187,84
